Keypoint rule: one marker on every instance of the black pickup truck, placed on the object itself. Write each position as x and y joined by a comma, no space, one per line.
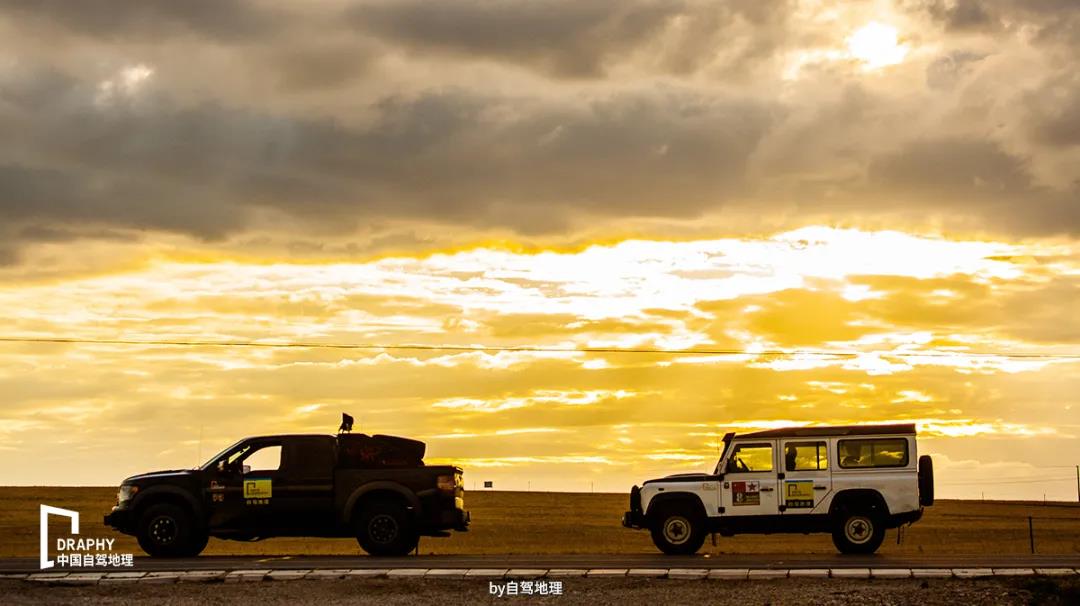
375,488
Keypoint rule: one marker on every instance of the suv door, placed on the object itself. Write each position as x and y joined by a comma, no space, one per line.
750,483
806,480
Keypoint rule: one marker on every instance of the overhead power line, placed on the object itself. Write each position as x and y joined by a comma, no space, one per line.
540,349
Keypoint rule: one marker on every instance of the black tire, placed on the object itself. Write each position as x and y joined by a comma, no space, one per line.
678,529
926,481
858,531
386,529
168,531
198,544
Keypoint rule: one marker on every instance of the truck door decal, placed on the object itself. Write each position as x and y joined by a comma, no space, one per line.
258,491
746,493
799,494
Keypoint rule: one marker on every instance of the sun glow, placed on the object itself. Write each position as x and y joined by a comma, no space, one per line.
877,45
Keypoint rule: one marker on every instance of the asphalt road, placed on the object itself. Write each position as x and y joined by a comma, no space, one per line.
786,561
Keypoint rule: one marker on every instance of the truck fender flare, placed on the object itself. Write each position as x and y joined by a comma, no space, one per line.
154,493
380,486
668,497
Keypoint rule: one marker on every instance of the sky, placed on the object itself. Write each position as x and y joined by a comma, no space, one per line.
897,180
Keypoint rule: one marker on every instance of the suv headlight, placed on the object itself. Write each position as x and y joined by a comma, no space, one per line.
127,491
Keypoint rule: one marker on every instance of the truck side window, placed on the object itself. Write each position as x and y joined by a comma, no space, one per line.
873,452
750,458
267,458
805,456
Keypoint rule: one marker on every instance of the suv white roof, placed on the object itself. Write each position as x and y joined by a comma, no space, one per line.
834,430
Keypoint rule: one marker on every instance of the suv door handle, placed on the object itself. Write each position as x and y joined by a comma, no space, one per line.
821,488
766,489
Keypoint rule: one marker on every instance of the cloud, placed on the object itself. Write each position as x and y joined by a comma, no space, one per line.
566,38
337,126
221,20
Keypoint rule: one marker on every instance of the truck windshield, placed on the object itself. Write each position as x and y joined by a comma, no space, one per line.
213,459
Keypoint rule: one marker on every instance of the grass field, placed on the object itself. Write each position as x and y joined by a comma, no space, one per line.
533,523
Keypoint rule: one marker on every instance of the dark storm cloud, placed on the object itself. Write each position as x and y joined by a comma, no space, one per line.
568,37
978,177
1050,17
1054,111
578,38
450,155
960,14
534,117
149,19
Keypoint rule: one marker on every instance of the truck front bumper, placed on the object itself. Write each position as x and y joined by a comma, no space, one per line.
122,519
633,519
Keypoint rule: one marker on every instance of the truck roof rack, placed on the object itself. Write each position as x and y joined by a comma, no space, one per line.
834,430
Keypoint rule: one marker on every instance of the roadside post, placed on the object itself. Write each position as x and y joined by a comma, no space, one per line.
1031,534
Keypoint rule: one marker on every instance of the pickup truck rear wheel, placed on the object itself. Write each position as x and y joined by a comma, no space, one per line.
386,529
168,531
678,529
857,531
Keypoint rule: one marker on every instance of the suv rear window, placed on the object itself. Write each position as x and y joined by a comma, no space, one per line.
873,452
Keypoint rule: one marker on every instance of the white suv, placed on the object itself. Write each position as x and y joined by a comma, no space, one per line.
852,481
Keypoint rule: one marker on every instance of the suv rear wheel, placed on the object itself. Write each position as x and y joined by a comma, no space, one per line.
168,531
858,531
386,529
678,529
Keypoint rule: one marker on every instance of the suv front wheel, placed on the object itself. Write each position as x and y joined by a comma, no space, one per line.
858,532
678,529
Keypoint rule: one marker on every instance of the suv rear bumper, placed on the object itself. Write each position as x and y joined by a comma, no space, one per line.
907,517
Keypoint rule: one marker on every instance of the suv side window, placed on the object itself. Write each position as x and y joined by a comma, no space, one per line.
747,458
805,456
873,452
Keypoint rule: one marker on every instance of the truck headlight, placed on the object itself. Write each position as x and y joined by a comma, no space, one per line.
127,491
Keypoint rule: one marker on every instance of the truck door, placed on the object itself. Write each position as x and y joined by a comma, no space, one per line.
806,479
240,486
303,501
749,487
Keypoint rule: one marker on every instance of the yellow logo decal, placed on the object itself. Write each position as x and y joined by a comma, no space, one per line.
799,493
258,488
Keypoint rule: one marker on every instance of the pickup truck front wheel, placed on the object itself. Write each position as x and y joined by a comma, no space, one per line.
168,531
856,531
386,529
678,529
